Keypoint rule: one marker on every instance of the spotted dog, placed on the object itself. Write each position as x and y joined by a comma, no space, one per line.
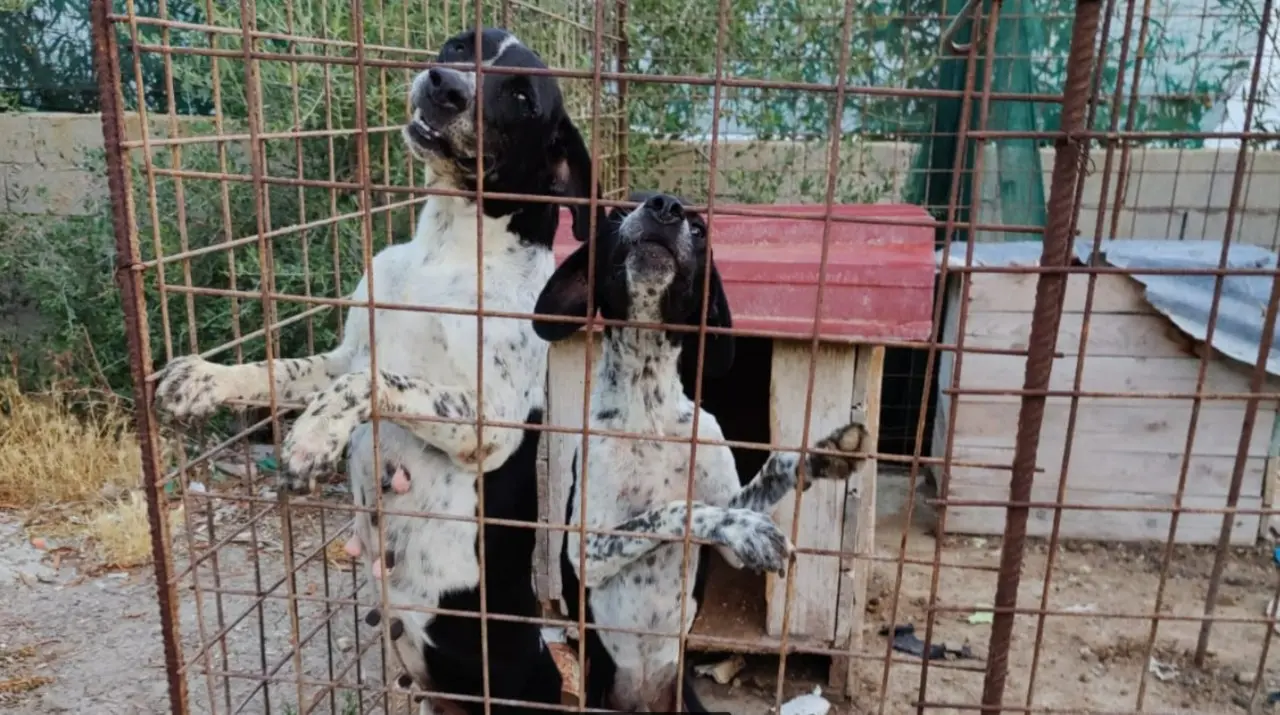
427,365
649,266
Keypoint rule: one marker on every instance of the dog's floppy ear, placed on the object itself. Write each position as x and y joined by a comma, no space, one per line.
573,175
565,294
719,347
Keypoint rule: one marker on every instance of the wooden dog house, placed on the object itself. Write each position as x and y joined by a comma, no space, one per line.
879,286
1128,448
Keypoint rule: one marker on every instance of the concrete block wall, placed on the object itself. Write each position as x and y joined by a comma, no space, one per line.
50,163
43,163
1167,192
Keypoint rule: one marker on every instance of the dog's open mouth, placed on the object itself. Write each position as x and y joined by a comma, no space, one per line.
427,138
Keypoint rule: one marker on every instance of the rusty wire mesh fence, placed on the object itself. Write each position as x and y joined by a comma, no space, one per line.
1031,242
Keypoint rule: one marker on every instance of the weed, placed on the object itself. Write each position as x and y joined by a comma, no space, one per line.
123,533
52,454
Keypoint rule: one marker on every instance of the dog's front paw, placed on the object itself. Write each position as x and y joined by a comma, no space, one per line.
311,449
849,438
754,541
319,437
189,388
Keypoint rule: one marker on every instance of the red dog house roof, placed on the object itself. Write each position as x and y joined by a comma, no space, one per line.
879,280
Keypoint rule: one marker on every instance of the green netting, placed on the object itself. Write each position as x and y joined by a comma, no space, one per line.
1198,54
1011,183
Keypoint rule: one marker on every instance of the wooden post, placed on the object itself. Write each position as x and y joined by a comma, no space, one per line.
822,509
859,536
566,382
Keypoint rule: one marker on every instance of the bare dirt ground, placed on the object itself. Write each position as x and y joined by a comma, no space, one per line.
82,641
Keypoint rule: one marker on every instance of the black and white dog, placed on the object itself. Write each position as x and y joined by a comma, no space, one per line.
649,267
427,365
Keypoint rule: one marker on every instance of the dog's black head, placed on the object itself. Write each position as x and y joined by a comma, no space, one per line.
650,265
530,146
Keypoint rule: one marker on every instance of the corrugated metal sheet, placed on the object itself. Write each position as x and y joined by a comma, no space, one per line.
1184,299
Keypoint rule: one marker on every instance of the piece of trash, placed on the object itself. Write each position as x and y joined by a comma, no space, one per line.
39,543
905,640
196,488
1275,555
1164,672
1081,608
807,704
724,671
1273,698
980,617
234,469
268,463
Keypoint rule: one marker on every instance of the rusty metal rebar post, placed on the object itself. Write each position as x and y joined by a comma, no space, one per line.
1050,292
1264,343
106,57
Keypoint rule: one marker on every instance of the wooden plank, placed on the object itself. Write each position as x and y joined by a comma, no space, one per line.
821,518
1112,293
1140,375
1110,334
1140,473
1150,429
542,561
1269,525
946,371
859,534
566,382
1102,525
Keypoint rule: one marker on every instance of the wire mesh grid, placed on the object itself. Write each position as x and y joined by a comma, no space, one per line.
239,233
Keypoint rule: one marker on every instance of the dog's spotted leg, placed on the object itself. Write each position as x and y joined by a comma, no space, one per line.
191,387
778,476
753,540
848,439
410,396
319,437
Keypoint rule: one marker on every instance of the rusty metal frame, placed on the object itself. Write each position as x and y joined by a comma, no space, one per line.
380,196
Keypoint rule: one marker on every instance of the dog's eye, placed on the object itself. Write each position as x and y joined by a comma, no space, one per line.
697,231
521,97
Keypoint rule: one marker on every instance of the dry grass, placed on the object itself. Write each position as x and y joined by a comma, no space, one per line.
23,684
13,686
79,469
122,532
52,455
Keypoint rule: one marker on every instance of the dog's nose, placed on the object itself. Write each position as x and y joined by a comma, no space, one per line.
446,89
664,209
